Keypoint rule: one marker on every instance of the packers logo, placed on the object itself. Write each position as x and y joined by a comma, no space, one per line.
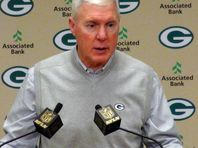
16,7
14,76
64,40
181,108
127,6
176,37
119,106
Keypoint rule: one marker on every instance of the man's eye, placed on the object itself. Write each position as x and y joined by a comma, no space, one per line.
110,25
91,25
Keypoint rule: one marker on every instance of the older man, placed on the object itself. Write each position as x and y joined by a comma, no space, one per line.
93,73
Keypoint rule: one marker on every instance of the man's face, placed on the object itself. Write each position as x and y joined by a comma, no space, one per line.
96,30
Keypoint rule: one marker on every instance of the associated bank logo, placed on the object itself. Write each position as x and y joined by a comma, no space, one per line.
176,37
177,68
177,79
16,46
124,44
68,2
123,33
64,40
14,76
17,36
181,108
64,10
16,7
176,7
127,6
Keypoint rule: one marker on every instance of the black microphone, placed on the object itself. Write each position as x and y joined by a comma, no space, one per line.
58,108
47,124
109,121
106,119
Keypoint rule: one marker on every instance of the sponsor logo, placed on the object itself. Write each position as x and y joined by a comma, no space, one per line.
107,112
68,2
177,68
127,6
176,37
16,7
64,11
175,7
64,40
181,108
119,106
14,76
17,47
124,44
177,79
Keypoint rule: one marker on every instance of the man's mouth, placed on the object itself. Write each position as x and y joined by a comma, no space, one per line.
100,48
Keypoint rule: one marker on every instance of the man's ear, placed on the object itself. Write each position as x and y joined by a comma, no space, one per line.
72,25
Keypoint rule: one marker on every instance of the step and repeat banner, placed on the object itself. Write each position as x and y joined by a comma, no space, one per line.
162,33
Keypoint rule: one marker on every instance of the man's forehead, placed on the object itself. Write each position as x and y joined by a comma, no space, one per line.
100,2
97,8
88,9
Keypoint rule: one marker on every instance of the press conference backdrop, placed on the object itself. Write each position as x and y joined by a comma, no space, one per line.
162,33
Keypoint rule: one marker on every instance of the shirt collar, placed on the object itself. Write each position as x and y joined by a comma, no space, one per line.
89,70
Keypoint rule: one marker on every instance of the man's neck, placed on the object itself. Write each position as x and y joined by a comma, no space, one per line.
94,68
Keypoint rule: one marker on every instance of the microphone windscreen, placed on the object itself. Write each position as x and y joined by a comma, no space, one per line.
98,107
58,108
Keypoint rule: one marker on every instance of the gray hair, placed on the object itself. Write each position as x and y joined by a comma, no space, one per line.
77,3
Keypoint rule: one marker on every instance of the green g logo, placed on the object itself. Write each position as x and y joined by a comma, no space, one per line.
176,37
14,76
127,6
16,7
64,40
181,108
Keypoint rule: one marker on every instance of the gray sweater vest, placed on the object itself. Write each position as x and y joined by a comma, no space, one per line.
125,80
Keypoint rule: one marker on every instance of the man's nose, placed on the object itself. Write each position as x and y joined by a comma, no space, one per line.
102,34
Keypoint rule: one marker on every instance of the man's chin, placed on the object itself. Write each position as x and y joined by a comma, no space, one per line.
100,61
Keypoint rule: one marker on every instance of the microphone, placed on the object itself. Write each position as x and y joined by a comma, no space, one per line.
108,121
47,124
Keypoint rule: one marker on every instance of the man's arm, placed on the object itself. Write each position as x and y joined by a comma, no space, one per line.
161,125
19,121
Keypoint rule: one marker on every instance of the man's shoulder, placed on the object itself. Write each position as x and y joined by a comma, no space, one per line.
129,62
55,60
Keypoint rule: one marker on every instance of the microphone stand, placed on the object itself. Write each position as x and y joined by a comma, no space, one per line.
141,136
17,138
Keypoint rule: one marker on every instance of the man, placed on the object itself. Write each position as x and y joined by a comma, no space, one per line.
93,73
